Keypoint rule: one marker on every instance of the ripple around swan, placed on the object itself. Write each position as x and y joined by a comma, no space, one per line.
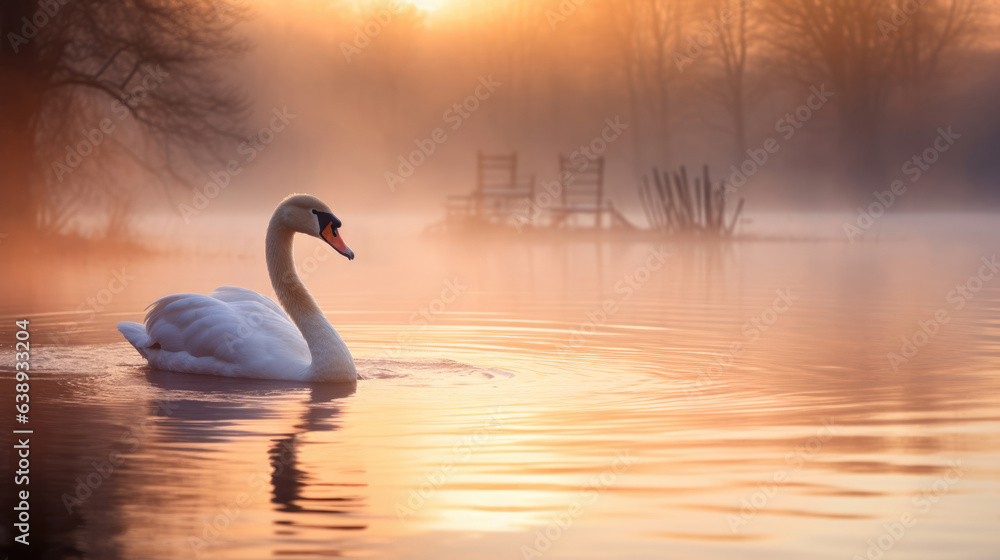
118,360
425,372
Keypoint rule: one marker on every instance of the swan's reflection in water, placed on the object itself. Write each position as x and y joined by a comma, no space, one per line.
288,480
219,411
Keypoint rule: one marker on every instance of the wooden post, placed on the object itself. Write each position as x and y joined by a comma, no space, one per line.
709,218
599,209
643,200
531,200
660,188
477,210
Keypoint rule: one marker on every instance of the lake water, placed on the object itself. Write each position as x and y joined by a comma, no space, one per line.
530,399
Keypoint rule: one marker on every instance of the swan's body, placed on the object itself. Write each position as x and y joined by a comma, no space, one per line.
239,333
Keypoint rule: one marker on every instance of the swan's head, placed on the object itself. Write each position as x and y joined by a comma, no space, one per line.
307,214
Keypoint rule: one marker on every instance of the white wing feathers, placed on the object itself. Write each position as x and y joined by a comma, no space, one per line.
234,326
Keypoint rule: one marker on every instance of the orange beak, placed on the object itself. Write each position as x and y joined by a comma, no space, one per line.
333,237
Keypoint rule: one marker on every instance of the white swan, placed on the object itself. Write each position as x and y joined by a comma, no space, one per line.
239,333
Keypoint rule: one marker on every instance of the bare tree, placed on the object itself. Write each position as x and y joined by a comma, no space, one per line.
647,33
507,36
862,49
735,28
385,62
926,38
81,77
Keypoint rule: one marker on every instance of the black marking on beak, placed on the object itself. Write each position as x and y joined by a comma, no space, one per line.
326,218
328,225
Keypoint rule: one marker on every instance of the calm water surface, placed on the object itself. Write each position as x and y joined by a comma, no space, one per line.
539,400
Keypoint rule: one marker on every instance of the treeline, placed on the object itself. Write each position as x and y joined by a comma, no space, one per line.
694,78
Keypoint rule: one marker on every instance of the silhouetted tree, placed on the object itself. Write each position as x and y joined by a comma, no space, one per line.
82,79
646,35
927,39
384,63
863,50
507,39
734,28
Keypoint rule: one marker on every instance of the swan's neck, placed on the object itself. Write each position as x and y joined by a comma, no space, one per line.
330,357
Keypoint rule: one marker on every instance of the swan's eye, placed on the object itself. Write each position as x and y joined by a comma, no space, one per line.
326,219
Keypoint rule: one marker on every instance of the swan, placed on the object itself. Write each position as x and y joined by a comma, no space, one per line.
237,332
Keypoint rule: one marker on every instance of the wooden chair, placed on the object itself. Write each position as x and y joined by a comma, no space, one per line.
582,191
499,192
